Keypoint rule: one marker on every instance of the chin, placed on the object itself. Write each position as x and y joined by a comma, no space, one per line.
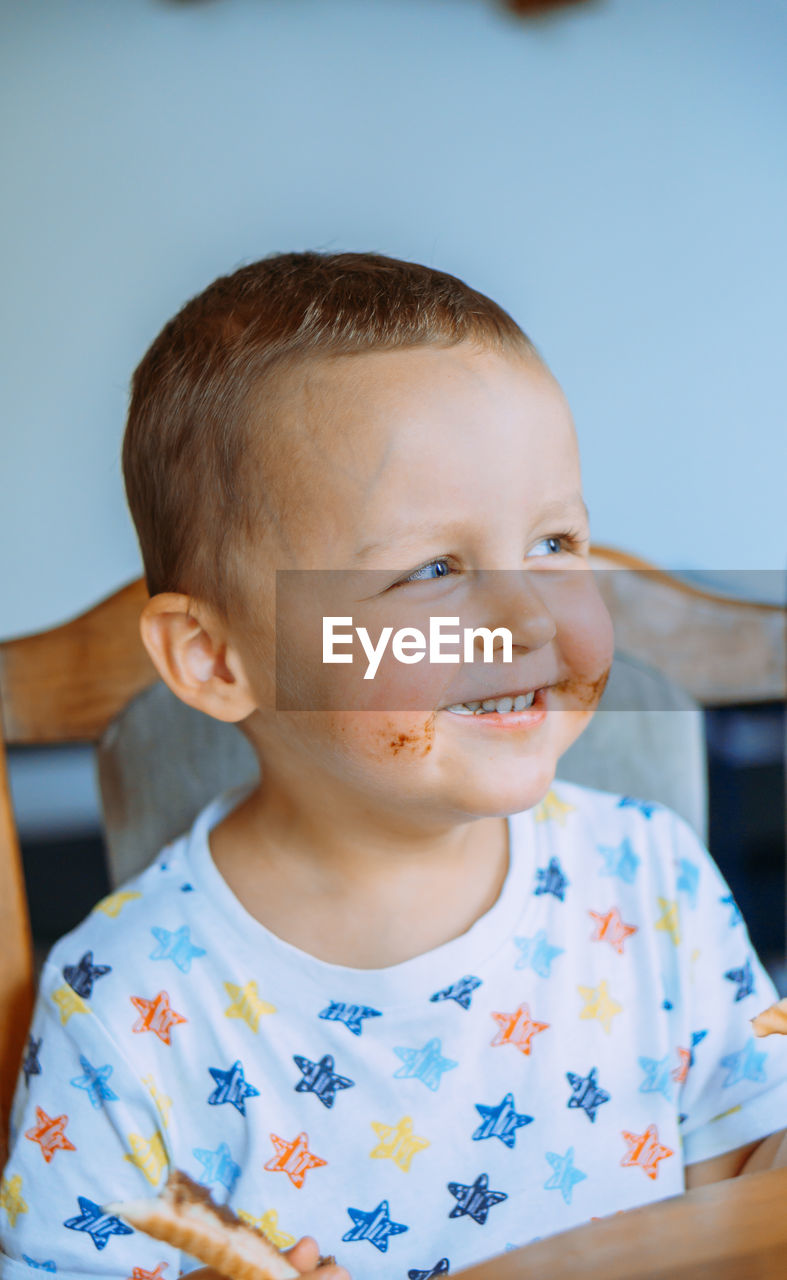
507,791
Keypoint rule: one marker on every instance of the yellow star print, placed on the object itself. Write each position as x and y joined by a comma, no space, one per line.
670,920
114,904
148,1154
599,1004
11,1198
722,1114
553,809
397,1142
69,1002
268,1225
163,1103
246,1004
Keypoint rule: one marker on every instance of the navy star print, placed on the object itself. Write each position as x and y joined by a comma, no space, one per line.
80,977
352,1015
475,1200
461,991
550,879
98,1225
439,1269
231,1087
501,1121
321,1079
586,1093
374,1226
31,1066
745,979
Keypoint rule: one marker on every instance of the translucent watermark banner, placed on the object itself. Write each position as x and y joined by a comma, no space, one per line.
479,642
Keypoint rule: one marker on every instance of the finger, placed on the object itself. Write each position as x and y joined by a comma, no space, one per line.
305,1254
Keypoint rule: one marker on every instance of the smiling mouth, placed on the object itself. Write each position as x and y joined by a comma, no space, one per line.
507,702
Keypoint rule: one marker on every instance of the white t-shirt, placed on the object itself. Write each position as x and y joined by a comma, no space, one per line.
564,1058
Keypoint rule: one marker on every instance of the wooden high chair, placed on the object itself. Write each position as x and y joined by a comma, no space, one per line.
679,648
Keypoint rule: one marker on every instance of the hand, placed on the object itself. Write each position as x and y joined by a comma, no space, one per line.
304,1256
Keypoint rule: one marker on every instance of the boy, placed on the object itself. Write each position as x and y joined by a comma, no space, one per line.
405,995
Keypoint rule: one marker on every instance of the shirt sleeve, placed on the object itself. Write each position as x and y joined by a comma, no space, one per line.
84,1131
734,1085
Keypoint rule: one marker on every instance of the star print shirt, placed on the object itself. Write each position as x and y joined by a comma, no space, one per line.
564,1058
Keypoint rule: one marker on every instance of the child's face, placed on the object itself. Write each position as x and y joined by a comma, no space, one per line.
395,461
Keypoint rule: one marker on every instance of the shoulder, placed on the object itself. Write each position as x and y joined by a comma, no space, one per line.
622,837
121,925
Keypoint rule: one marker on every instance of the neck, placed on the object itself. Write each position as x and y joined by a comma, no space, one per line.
356,886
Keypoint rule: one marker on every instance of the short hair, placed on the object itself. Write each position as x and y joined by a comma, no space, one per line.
198,397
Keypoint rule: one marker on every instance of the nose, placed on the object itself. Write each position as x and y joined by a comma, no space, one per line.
511,598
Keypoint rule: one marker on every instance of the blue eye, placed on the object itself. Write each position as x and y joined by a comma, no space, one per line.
565,541
424,574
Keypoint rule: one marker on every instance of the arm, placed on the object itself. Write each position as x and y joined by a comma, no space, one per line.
755,1157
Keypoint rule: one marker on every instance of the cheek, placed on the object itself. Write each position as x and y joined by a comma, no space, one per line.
362,741
587,643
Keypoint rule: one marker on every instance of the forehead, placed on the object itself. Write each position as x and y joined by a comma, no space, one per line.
377,443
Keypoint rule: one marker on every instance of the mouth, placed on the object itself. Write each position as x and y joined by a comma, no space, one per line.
503,704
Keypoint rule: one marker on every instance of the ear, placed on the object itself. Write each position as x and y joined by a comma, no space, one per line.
189,647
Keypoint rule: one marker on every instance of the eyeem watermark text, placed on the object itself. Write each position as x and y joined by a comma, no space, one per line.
409,644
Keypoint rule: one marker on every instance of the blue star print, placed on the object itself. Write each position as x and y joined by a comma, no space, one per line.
39,1266
735,914
644,806
671,990
94,1082
501,1121
440,1268
565,1175
31,1066
586,1093
688,879
374,1226
98,1225
696,1038
550,879
231,1087
537,953
217,1166
427,1064
352,1015
745,980
475,1200
657,1076
175,946
461,991
621,861
746,1064
80,977
320,1079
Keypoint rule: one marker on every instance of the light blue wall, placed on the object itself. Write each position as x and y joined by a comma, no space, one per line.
616,177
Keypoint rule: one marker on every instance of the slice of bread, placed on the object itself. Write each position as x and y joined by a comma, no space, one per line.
185,1216
772,1019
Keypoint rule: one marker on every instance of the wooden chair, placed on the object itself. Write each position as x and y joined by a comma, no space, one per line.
91,680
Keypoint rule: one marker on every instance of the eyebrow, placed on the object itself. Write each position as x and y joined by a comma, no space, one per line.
573,503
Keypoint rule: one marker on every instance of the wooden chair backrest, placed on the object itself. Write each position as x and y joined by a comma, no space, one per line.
67,684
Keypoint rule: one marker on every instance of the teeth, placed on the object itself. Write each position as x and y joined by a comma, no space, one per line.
502,705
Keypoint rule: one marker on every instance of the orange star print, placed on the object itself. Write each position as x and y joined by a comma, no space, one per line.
645,1151
517,1029
680,1072
139,1273
156,1016
50,1134
293,1158
610,928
